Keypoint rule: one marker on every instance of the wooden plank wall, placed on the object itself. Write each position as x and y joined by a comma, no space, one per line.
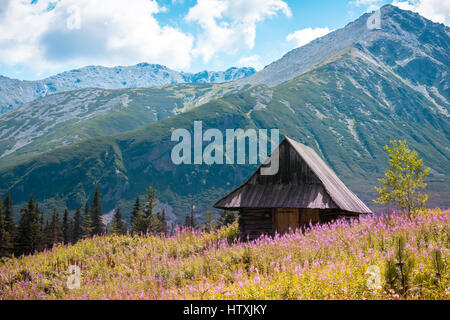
255,222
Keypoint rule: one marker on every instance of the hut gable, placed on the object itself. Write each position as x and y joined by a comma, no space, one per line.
303,181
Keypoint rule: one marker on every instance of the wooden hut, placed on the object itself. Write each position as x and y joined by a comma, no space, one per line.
305,190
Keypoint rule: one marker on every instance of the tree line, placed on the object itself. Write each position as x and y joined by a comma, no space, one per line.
35,233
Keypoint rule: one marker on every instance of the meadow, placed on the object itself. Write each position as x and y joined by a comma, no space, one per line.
386,257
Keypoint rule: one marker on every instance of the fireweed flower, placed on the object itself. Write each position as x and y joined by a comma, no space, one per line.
324,262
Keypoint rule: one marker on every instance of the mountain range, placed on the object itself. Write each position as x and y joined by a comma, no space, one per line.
345,95
15,92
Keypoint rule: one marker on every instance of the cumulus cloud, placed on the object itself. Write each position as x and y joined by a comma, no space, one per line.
305,36
228,25
47,35
359,3
250,61
435,10
371,5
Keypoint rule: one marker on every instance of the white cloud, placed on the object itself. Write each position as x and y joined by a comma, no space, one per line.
110,33
250,61
305,36
230,24
359,3
435,10
372,8
372,5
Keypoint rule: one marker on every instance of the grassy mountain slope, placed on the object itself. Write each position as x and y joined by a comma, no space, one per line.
333,109
384,84
64,118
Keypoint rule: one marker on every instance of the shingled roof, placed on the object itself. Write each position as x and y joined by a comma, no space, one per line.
307,183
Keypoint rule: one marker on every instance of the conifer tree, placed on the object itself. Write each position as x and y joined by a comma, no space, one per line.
5,239
41,237
153,224
173,228
66,227
138,219
118,226
28,233
135,214
8,211
2,225
55,234
163,222
87,222
209,221
226,218
187,220
41,217
46,234
77,231
399,268
190,219
192,222
98,227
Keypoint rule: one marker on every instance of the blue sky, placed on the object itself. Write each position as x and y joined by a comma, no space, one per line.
39,38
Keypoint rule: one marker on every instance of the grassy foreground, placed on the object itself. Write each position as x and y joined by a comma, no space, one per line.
326,262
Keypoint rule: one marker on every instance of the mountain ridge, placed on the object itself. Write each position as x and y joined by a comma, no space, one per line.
14,92
64,118
353,34
347,108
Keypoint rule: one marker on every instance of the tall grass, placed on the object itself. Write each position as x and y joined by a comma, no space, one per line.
326,262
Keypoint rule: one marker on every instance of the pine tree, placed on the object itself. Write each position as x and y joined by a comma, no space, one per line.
151,218
41,237
41,217
55,234
2,227
5,238
66,227
154,225
173,229
28,233
135,214
209,221
47,235
138,219
86,222
98,227
226,218
163,221
77,231
399,268
8,211
187,220
118,226
192,222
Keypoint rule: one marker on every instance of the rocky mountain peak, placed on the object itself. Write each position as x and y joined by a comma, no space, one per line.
402,35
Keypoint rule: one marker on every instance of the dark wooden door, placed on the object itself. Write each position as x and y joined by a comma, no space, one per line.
286,220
